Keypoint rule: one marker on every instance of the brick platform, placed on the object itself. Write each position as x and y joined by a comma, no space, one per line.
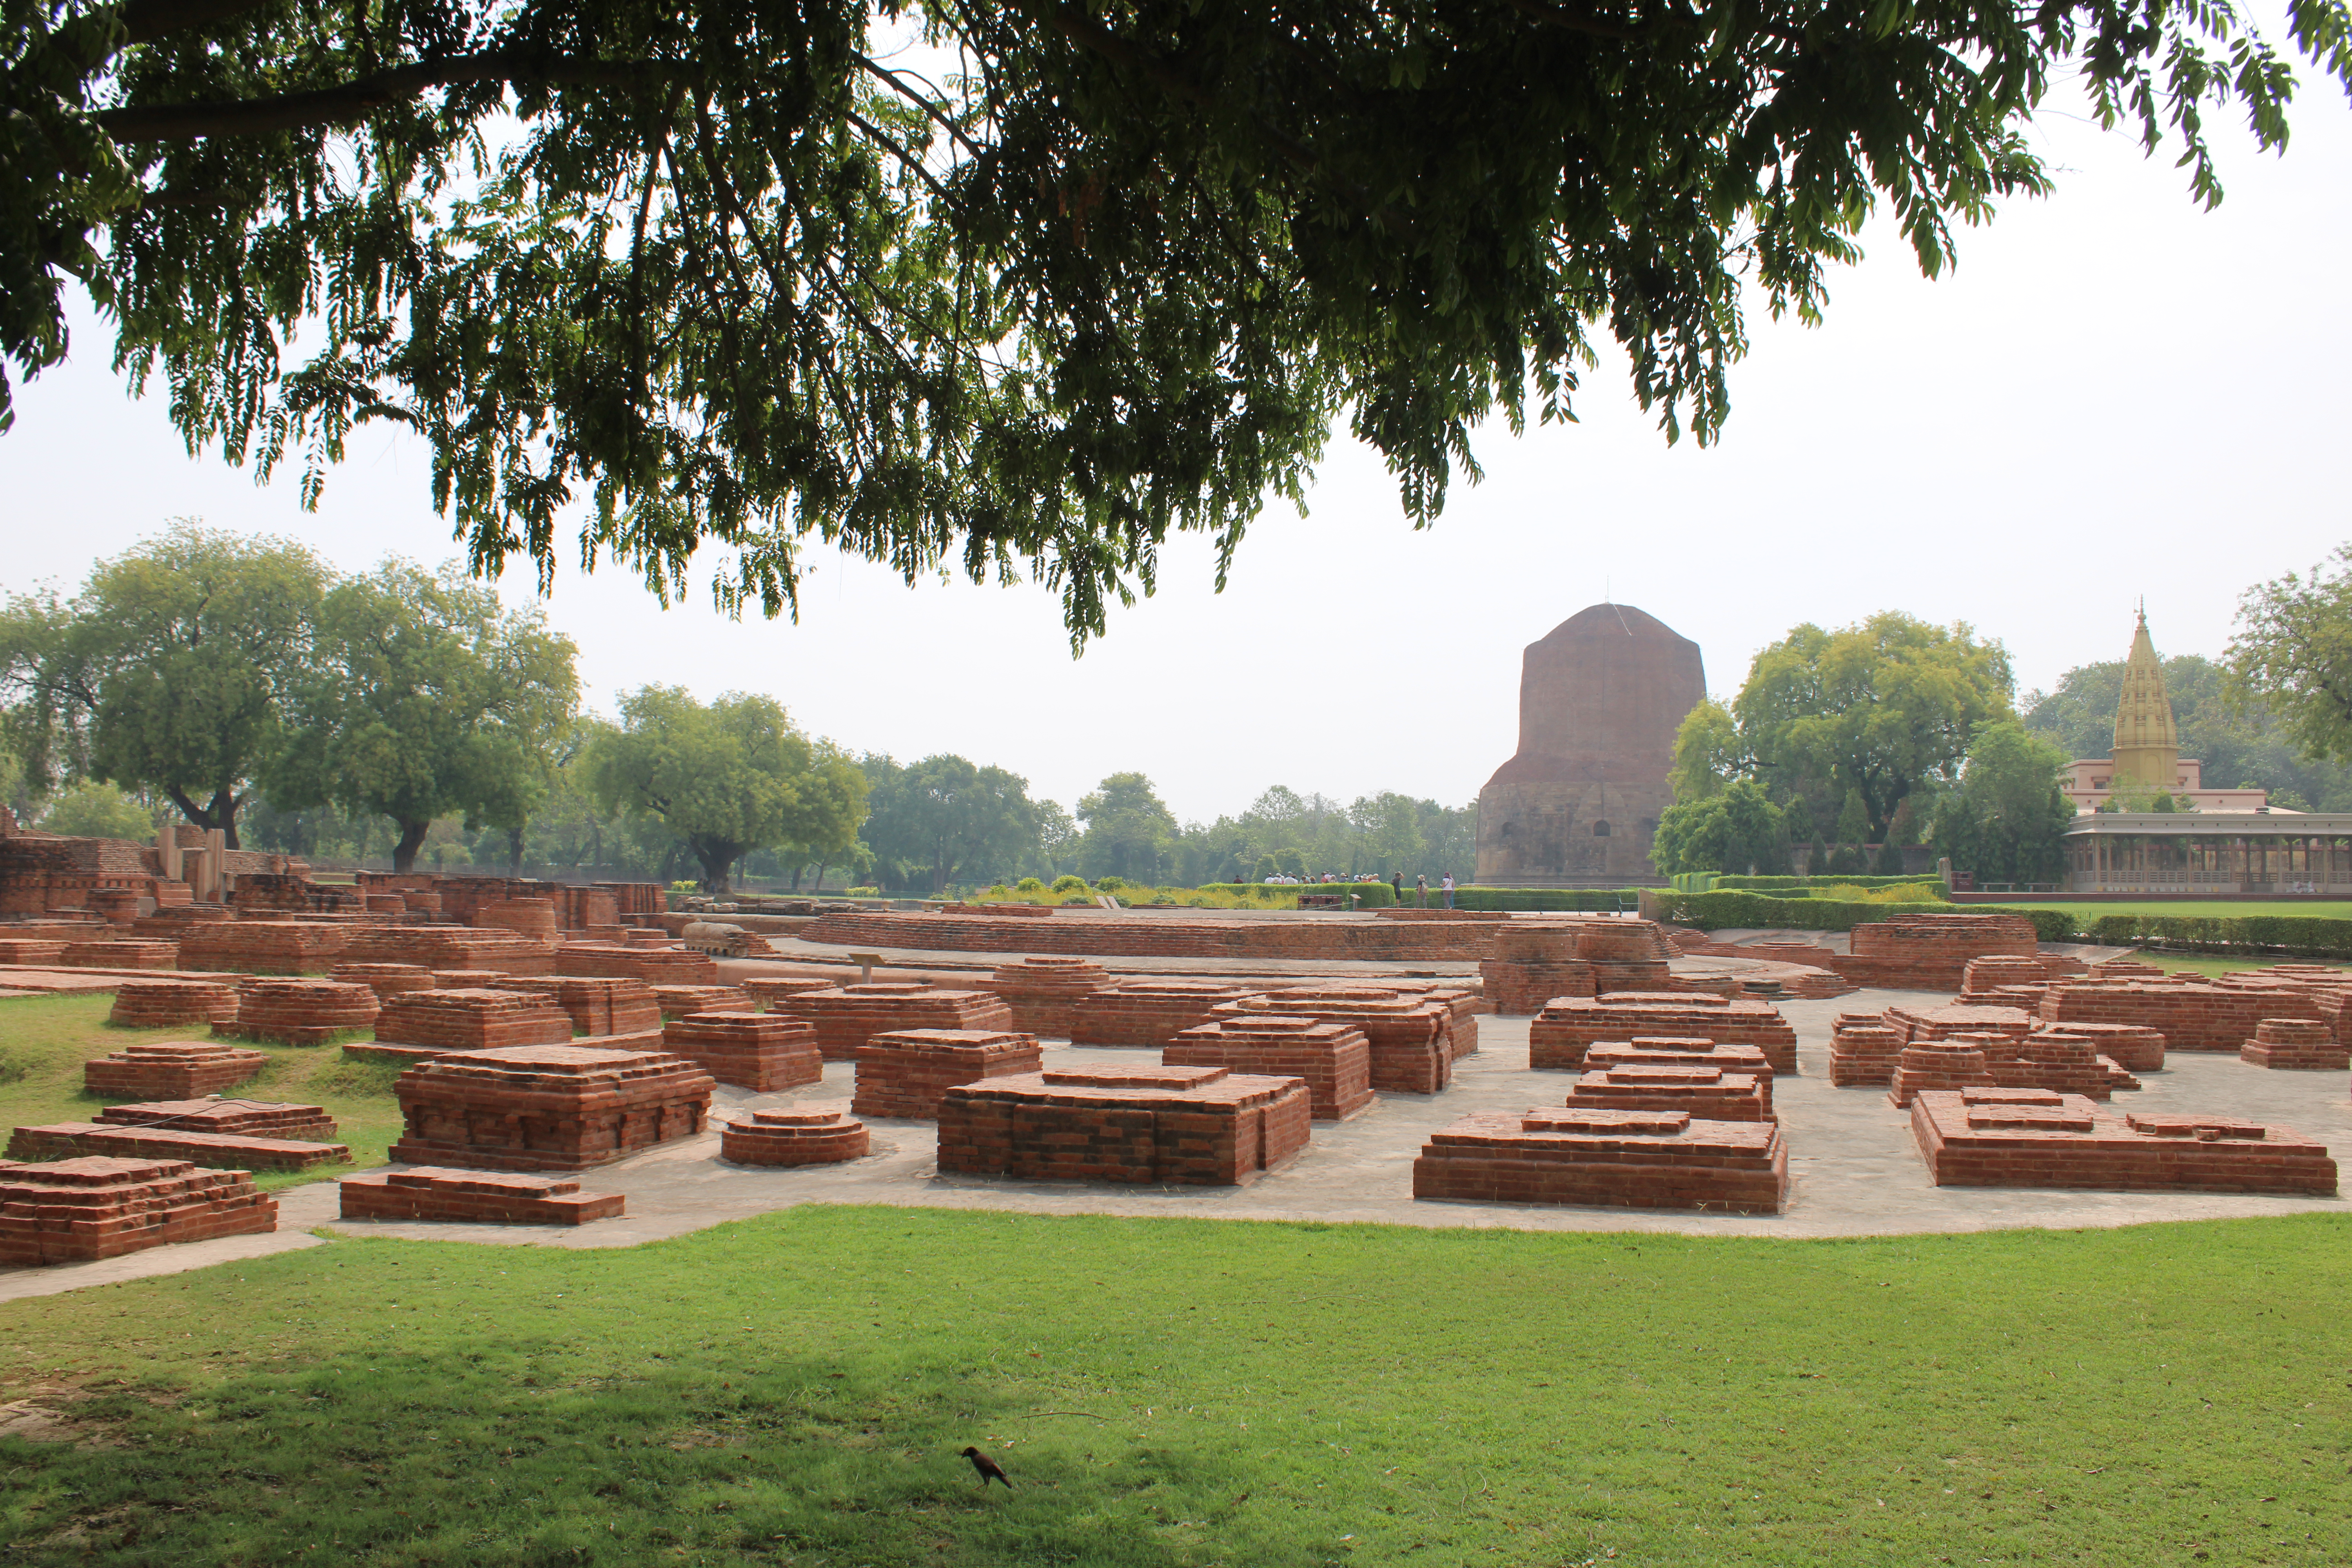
171,1069
677,1001
1708,1094
2064,1064
1982,975
1938,1065
767,991
2134,1046
162,1004
1863,1051
2190,1017
1148,1014
2033,1138
1456,1007
386,979
1411,1039
120,955
903,1074
19,949
595,1006
1930,952
1334,1060
266,947
1621,1158
846,1016
180,1138
655,965
480,1198
1923,1023
436,947
419,1026
794,1137
1677,1051
2302,1045
1044,993
1401,940
758,1051
73,1211
1179,1126
546,1108
299,1012
1557,1037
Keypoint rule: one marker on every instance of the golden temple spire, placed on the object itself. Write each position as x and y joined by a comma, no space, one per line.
2148,746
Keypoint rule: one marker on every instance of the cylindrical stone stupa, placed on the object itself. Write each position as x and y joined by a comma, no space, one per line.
1600,700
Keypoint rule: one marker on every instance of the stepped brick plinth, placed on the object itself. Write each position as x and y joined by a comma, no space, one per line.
1559,1034
1516,987
1920,1024
2062,1063
758,1051
1333,1060
2134,1046
2035,1138
471,979
794,1137
1981,975
655,965
1863,1053
595,1006
677,1001
1176,1126
546,1108
1681,1051
1045,992
164,1004
1411,1039
1148,1014
128,955
904,1073
533,918
75,1210
480,1198
1454,1020
2300,1044
386,979
171,1069
1709,1094
1463,1004
1530,962
440,947
237,1134
266,947
300,1012
767,991
421,1026
846,1016
2190,1017
1622,1158
1930,952
1938,1065
21,949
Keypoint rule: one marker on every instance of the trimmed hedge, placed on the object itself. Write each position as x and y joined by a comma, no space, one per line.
1369,895
1558,900
1766,884
2303,936
1716,912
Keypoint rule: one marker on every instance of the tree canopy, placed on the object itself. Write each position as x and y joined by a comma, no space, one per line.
2005,820
1734,828
2292,653
1057,280
948,818
1128,829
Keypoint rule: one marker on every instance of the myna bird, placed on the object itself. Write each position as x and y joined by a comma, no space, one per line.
989,1470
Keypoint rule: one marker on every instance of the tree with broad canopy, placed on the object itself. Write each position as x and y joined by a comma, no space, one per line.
1001,285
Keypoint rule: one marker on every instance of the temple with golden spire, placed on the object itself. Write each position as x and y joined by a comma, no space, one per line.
2147,757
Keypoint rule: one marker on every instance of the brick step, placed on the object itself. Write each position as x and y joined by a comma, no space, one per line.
220,1151
482,1197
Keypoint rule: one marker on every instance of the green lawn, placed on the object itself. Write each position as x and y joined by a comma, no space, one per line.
793,1390
2213,963
45,1040
2087,911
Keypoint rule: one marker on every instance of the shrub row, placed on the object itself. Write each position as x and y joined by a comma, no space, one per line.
1767,884
1565,901
1369,895
1737,909
2304,936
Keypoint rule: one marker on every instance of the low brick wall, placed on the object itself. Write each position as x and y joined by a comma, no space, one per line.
386,979
1177,1126
758,1051
546,1108
266,947
1703,1093
74,1211
1411,1040
2303,1045
299,1012
794,1137
1676,1051
2029,1138
595,1005
120,955
417,1026
1930,952
475,1197
163,1004
1145,1015
1619,1159
1938,1065
438,947
171,1069
2190,1017
653,966
678,1001
846,1016
1334,1060
1045,992
1862,1052
230,1150
1557,1037
905,1073
1156,936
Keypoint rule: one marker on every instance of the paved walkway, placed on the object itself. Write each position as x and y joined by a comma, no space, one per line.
1854,1170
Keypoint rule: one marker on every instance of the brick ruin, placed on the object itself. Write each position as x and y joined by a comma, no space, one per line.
420,1026
2190,1017
759,1051
1705,1093
439,947
2037,1138
1044,993
595,1007
168,1003
905,1073
98,1205
1863,1050
1931,952
2304,1045
1559,1034
386,979
653,964
794,1137
677,1001
299,1012
1333,1060
1930,1065
1456,1008
480,1198
2013,979
1172,1126
1412,1040
546,1108
1080,935
1619,1159
846,1016
1148,1014
241,1134
1681,1051
772,991
121,953
265,947
171,1069
1529,966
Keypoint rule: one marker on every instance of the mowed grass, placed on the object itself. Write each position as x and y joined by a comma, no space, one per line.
2211,962
45,1040
793,1390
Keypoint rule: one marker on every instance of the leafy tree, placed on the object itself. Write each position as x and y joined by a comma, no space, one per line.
89,809
2006,821
170,668
2292,653
1128,829
1736,828
1709,752
425,701
1058,835
952,817
1388,834
738,270
727,779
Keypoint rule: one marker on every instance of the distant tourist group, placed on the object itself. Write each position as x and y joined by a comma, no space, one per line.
1396,884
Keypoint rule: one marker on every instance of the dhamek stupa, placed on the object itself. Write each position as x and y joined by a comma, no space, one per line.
1600,700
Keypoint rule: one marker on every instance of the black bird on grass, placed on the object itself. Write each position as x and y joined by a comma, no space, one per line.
989,1470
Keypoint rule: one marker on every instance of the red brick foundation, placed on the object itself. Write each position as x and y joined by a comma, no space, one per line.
1177,1126
241,1137
386,979
794,1137
655,965
846,1016
2301,1045
2134,1046
1411,1039
299,1012
547,1108
1621,1158
1334,1060
1044,993
905,1073
677,1001
771,991
73,1211
164,1004
171,1069
419,1026
595,1006
2190,1017
1148,1014
1863,1051
1706,1094
1938,1065
452,947
479,1197
1676,1051
266,947
758,1051
120,955
1557,1037
2032,1138
1930,952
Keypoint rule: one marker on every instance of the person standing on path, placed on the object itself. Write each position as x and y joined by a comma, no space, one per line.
1421,891
1396,888
1448,885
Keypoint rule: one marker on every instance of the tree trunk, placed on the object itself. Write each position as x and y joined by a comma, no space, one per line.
716,857
412,837
514,850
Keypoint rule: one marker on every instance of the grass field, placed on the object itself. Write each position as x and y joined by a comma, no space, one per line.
2209,962
794,1389
45,1040
2085,913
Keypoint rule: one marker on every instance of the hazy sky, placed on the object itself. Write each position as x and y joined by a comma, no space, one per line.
2116,395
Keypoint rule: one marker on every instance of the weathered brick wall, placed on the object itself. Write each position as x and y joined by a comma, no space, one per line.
2304,1045
171,1069
470,1019
74,1211
121,954
2133,1047
1516,990
794,1137
439,947
1333,1060
595,1005
546,1108
1559,1034
1938,1065
1411,1040
758,1051
1957,1018
268,947
299,1012
1703,1093
229,1150
1181,1126
478,1197
385,979
1154,936
2029,1138
903,1074
1148,1014
846,1016
1622,1158
678,1001
2191,1017
655,965
1863,1051
1674,1050
1043,992
160,1004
